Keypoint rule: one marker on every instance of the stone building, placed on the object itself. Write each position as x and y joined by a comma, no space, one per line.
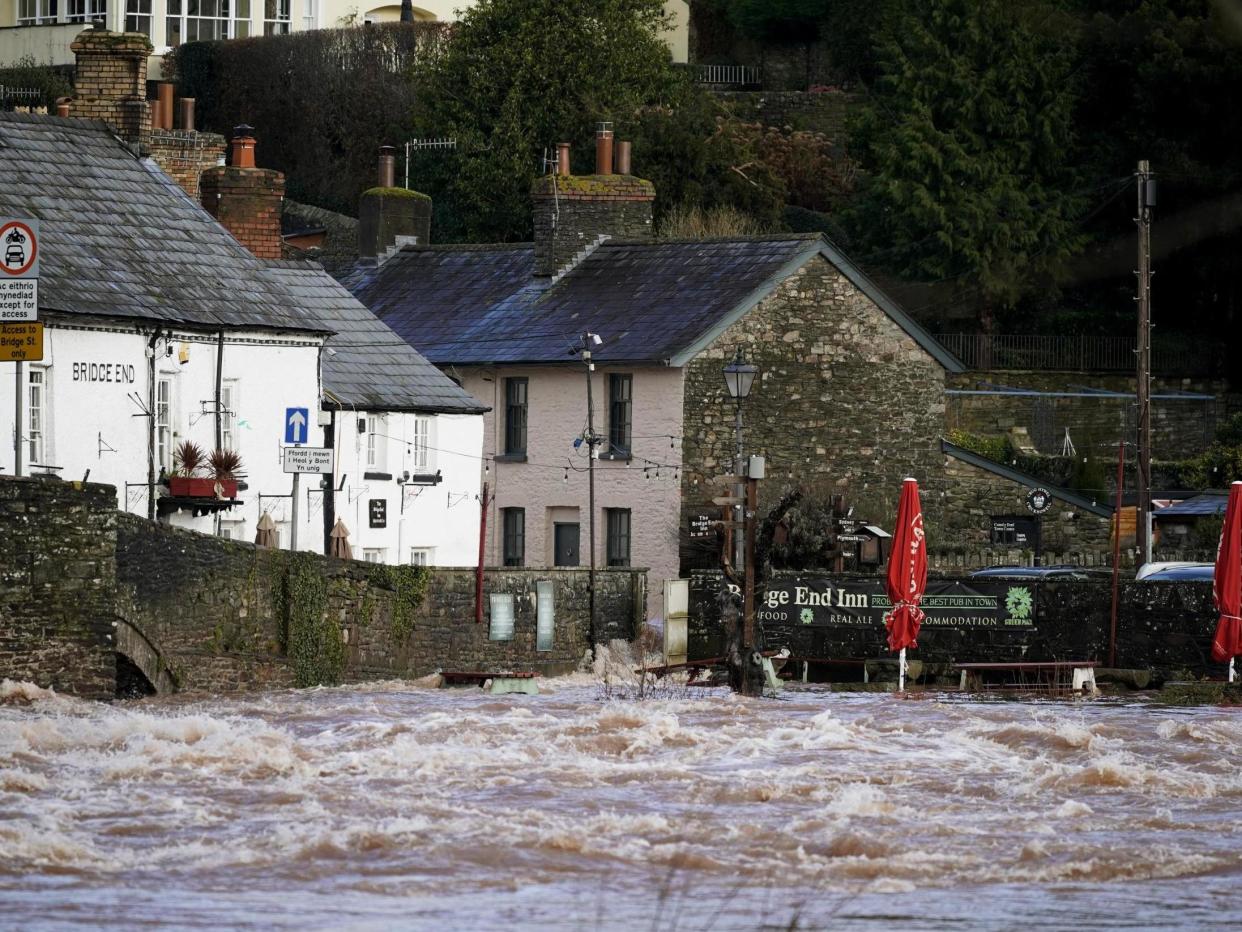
849,400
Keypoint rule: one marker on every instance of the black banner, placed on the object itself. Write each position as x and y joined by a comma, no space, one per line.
826,602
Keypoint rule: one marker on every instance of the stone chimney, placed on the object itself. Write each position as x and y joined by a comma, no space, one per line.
110,82
387,213
245,199
577,212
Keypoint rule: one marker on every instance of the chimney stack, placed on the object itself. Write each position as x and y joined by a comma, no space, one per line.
388,214
245,199
110,82
187,114
603,149
572,214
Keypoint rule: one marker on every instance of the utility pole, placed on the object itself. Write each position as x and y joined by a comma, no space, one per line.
588,340
17,420
1146,201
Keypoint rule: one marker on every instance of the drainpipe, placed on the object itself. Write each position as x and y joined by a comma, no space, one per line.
151,343
219,390
329,492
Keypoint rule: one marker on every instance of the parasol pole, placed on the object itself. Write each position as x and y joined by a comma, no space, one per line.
1231,673
901,671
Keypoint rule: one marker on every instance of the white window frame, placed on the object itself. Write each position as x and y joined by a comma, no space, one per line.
422,556
164,421
376,446
231,20
36,415
310,14
374,554
85,11
230,399
422,461
139,17
39,12
277,17
233,529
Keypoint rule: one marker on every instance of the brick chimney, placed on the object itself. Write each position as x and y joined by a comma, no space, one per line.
245,199
110,82
573,212
387,212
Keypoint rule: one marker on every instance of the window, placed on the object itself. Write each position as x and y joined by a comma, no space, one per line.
84,11
229,398
36,415
277,15
420,446
618,536
310,14
163,423
422,556
377,448
620,413
373,554
233,530
34,12
514,526
206,20
515,416
138,16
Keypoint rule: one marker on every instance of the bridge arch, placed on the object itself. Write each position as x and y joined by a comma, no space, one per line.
144,654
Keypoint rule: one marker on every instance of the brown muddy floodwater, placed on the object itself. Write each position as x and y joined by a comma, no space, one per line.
383,807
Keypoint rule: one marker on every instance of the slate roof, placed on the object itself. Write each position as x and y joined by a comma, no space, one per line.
371,367
1025,479
1209,503
653,303
121,239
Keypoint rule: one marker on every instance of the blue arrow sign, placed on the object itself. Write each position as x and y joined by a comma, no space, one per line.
296,420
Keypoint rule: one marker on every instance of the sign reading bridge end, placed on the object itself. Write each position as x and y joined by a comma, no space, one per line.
19,270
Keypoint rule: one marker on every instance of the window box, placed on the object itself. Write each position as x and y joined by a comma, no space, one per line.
197,487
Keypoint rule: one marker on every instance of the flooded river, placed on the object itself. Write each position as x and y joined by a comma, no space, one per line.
383,807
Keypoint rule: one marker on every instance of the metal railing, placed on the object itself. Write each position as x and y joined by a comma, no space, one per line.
735,75
1076,353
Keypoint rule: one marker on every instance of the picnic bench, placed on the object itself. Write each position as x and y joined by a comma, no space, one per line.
502,683
1055,675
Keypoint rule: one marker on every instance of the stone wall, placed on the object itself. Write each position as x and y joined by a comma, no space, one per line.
228,615
1163,627
1181,427
969,497
571,213
81,582
825,112
57,585
846,402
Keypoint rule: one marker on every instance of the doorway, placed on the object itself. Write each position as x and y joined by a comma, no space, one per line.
565,539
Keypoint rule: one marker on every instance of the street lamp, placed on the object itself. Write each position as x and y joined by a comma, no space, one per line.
739,377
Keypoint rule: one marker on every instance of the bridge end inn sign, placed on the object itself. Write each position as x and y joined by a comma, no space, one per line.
844,602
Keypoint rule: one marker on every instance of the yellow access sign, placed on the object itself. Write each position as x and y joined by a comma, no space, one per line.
21,342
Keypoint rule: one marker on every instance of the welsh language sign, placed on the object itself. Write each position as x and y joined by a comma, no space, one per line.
828,602
308,459
19,270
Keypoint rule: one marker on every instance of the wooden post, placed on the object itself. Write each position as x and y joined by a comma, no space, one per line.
1112,625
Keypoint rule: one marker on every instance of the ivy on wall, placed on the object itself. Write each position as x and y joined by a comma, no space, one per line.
409,587
313,638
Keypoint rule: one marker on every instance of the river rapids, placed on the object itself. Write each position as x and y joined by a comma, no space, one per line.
386,807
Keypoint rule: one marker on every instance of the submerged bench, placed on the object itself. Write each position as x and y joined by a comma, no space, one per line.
502,683
1081,673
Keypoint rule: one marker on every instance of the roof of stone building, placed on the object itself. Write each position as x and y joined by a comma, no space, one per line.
339,250
367,366
1025,479
654,303
119,238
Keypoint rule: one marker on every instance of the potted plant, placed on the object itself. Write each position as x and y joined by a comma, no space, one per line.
187,479
225,467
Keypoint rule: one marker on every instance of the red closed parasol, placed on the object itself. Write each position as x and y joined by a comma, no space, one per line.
907,576
1227,583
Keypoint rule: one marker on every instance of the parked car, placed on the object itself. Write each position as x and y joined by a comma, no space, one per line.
1175,571
1056,571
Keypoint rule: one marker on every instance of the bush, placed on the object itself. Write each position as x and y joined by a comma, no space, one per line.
49,81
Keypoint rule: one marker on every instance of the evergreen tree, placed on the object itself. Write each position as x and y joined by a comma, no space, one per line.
967,140
517,77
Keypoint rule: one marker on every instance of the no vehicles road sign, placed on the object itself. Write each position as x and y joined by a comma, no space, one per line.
19,269
297,421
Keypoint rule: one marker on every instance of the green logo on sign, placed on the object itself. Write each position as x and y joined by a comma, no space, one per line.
1018,603
807,616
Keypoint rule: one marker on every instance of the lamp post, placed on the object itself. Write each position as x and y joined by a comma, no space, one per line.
739,377
589,341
